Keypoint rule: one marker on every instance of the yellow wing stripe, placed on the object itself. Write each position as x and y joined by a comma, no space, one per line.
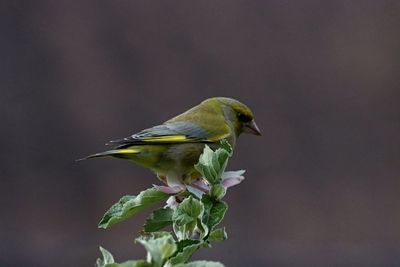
166,138
180,138
126,151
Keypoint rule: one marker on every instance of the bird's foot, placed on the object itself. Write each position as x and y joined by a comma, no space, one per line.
162,178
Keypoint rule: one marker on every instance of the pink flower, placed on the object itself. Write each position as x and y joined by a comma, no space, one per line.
201,186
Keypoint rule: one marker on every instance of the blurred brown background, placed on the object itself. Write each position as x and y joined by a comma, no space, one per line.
323,185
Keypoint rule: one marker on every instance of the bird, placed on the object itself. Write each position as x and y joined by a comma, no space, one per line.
171,149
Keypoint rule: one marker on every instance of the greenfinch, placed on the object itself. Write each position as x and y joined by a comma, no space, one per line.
172,149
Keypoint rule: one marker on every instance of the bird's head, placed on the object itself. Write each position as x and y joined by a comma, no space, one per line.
240,115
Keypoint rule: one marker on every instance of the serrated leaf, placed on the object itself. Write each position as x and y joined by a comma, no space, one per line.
201,264
217,191
217,213
186,218
132,263
108,261
184,243
226,146
205,165
212,164
185,251
214,211
127,206
159,246
107,258
218,235
158,219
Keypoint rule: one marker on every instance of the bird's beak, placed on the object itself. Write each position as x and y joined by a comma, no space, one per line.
251,128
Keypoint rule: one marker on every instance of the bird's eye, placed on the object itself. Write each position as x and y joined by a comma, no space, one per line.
242,117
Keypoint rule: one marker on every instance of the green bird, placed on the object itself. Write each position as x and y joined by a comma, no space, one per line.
172,149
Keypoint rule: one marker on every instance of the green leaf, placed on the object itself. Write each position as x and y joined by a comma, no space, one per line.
186,242
206,165
227,147
213,163
130,205
217,191
214,211
217,213
158,219
218,235
160,246
186,248
108,261
107,258
135,263
187,217
201,264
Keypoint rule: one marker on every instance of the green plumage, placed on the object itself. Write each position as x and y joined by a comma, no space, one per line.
173,148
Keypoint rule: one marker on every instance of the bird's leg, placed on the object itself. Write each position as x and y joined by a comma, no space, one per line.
172,185
162,178
174,180
187,179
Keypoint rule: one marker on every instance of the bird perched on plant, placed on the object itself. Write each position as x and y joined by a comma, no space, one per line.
173,148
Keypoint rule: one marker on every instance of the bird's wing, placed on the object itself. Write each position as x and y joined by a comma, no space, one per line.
173,132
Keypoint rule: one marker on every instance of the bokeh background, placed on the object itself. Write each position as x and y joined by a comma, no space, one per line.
323,185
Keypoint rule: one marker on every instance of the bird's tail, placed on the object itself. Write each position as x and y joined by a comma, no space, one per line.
121,153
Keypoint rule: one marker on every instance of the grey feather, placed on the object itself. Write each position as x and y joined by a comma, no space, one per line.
188,129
